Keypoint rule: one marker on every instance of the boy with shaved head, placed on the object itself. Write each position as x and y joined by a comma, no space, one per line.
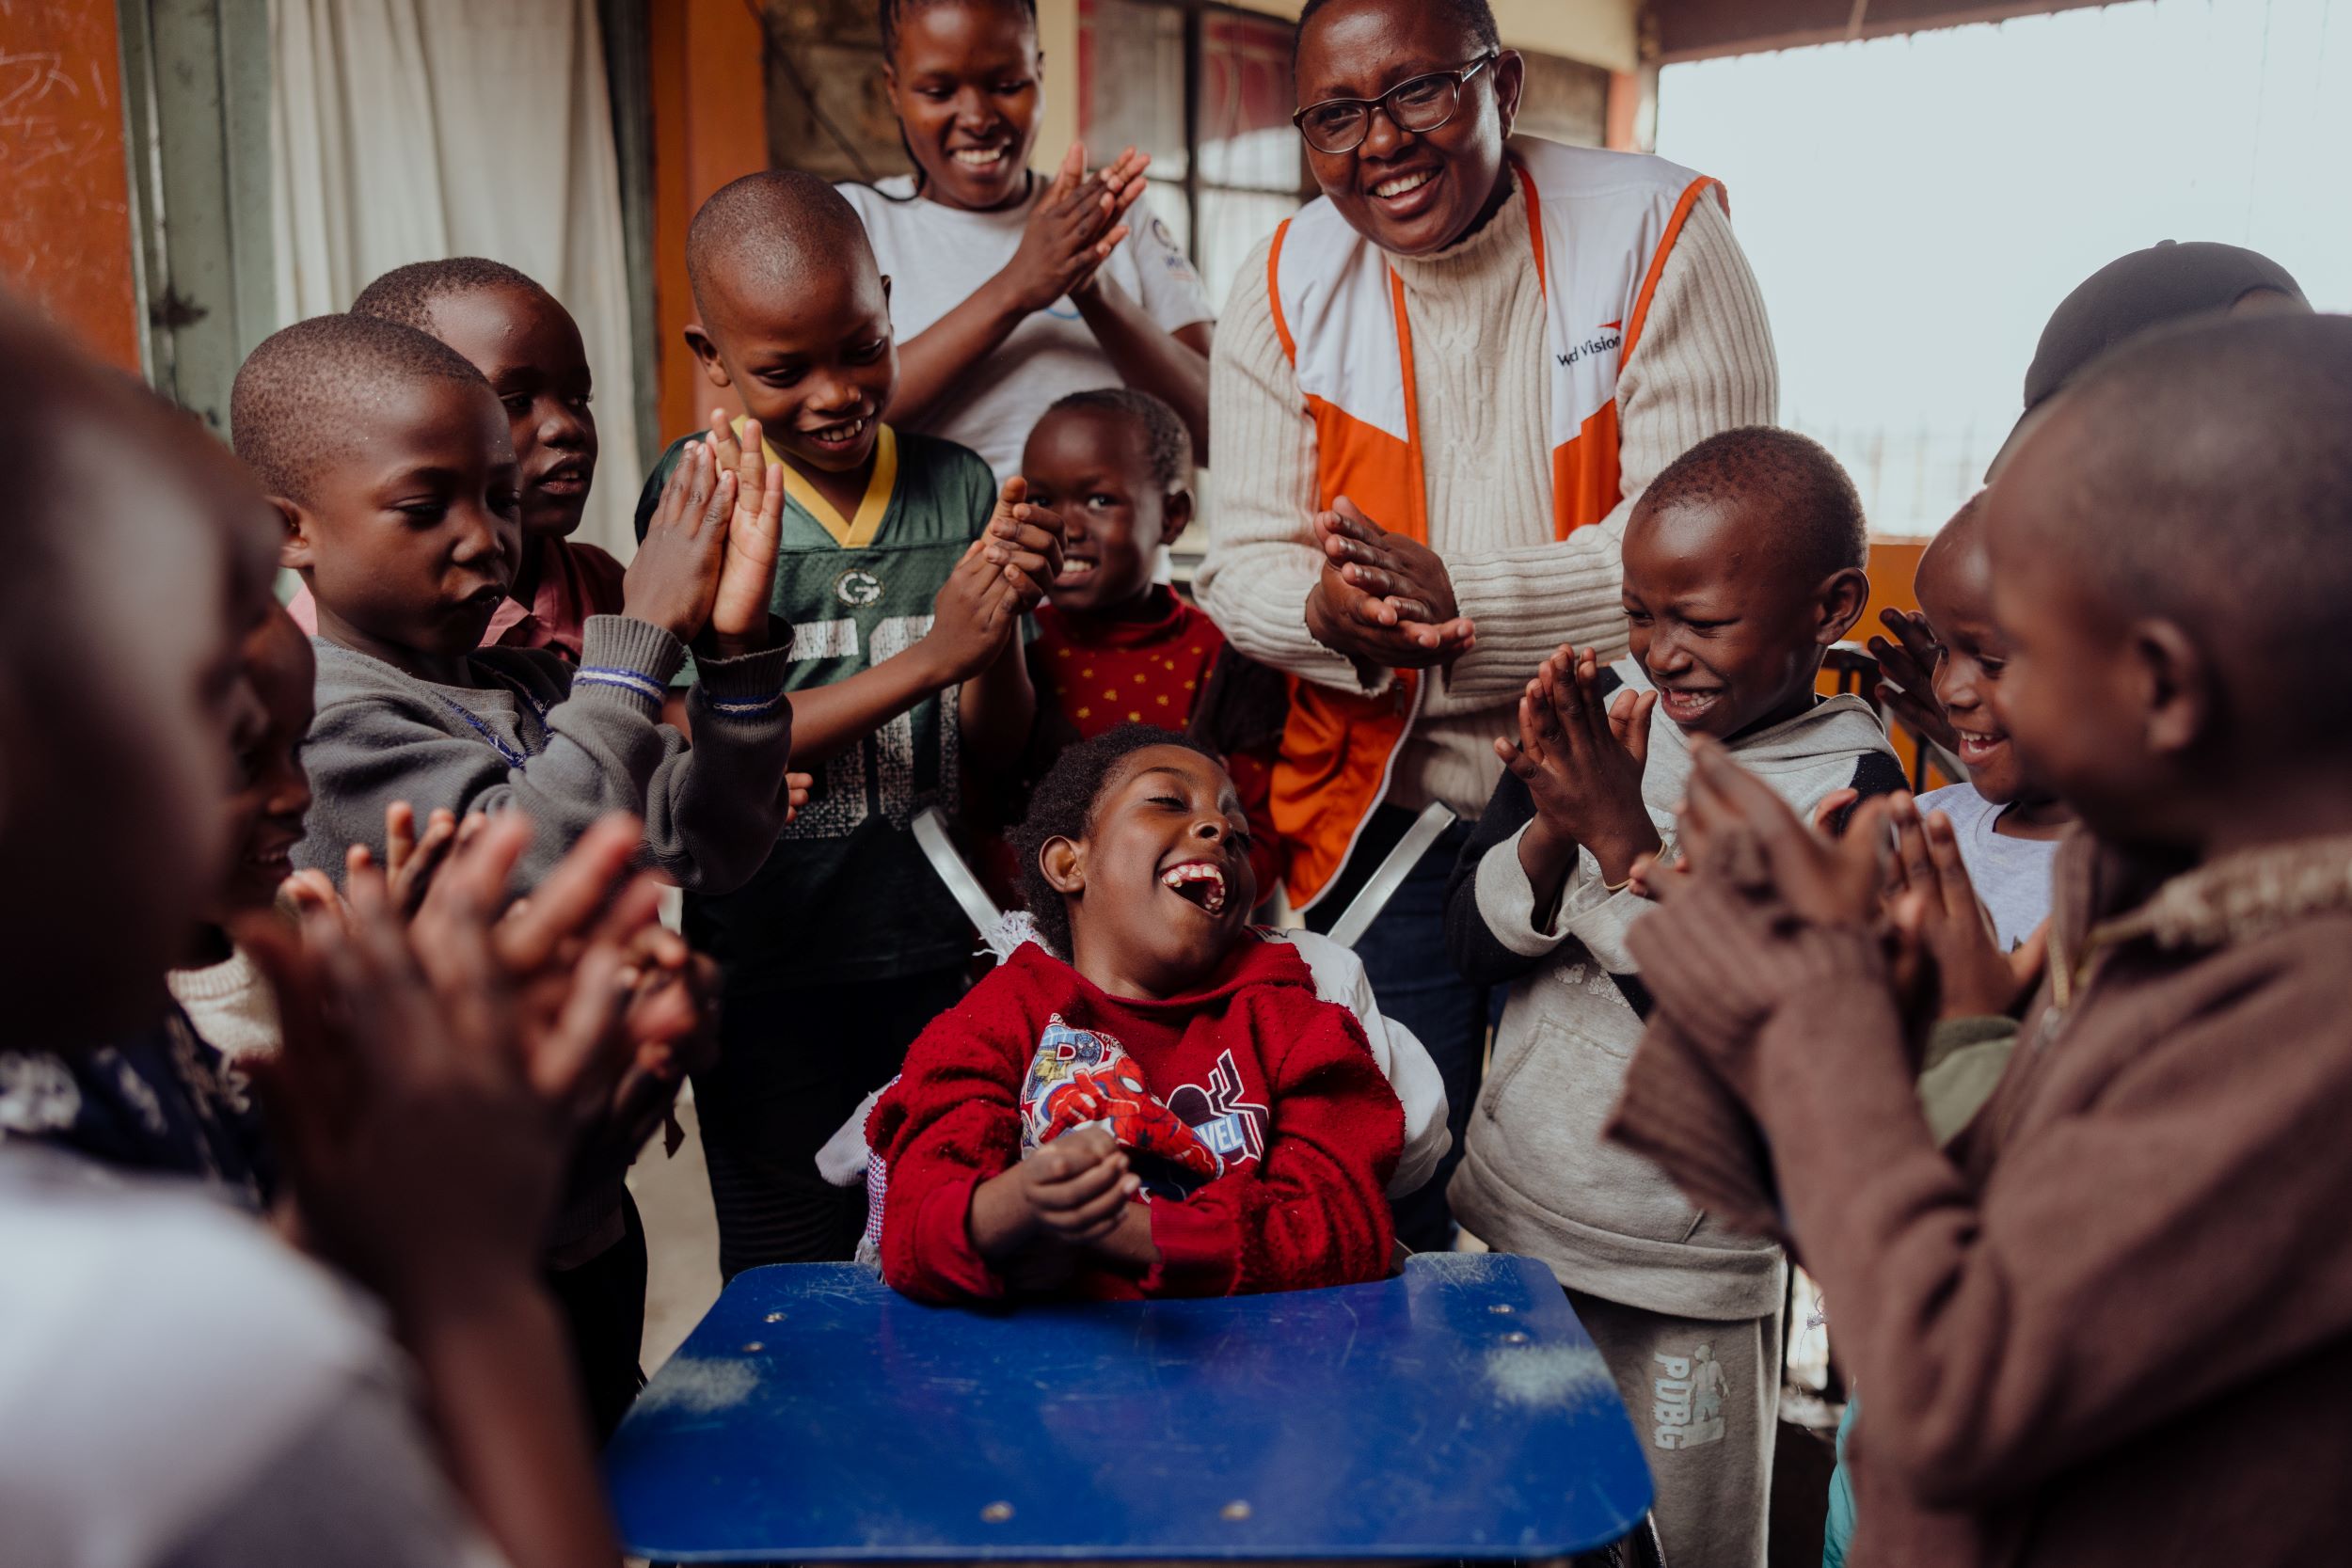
2112,1324
390,461
907,665
1743,562
528,348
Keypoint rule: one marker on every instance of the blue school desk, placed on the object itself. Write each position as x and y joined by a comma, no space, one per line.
1457,1411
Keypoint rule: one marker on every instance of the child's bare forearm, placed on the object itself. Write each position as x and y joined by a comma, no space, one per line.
502,1395
935,360
829,720
1151,358
996,709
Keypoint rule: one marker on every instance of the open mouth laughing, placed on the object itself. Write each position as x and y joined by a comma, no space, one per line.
1977,747
1200,883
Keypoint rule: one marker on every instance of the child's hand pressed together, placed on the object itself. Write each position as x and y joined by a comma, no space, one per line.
1073,1192
1581,761
740,608
976,616
1025,538
1760,909
673,578
1945,939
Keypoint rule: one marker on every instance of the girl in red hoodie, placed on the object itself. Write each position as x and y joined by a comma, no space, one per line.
1168,1111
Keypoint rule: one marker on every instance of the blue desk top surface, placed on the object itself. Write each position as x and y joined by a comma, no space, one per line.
1455,1411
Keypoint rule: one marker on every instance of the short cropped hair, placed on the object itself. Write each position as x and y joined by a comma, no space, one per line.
1168,445
1807,490
1476,19
294,391
407,294
1063,806
769,230
2207,478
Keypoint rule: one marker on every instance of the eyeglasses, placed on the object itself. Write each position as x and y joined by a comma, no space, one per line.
1423,103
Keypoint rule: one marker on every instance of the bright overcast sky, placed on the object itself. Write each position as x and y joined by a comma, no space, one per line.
1915,207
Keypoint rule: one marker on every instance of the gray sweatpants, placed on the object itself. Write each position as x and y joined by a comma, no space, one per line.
1704,1399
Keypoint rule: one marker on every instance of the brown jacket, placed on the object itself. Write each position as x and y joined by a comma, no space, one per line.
2114,1326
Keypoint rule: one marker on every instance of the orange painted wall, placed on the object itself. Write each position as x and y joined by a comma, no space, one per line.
709,126
65,194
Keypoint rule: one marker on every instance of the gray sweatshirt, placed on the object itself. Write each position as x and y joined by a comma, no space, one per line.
565,746
1536,1177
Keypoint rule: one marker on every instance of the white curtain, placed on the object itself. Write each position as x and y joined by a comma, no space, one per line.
412,130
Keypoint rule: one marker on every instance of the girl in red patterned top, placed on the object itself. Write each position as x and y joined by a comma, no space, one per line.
1169,1110
1114,646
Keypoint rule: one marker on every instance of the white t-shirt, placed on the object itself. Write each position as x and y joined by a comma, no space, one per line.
178,1390
2011,875
935,256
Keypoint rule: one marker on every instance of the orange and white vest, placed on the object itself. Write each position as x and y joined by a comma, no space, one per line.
1601,225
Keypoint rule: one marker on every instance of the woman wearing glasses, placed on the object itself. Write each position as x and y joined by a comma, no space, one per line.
1436,392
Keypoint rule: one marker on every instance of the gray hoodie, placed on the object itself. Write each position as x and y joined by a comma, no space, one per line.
564,745
1536,1177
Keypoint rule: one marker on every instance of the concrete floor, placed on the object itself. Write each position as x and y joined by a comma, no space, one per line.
681,1238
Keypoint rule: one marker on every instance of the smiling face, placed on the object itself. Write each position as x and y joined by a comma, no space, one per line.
1955,588
528,347
1160,884
273,788
963,83
1093,467
815,364
409,535
1410,193
1730,633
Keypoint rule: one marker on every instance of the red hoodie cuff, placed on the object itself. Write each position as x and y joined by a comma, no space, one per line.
1199,1256
952,1266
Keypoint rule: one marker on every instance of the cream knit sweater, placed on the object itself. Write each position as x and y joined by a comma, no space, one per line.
1704,363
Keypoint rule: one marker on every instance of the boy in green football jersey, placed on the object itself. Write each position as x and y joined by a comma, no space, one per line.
904,576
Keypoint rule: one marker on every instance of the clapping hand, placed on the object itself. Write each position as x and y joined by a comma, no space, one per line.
1760,910
422,1099
1907,676
1073,228
1025,538
739,620
674,578
1582,762
1949,955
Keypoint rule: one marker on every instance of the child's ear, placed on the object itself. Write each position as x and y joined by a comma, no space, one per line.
1064,864
1175,514
297,539
1842,599
707,355
2176,687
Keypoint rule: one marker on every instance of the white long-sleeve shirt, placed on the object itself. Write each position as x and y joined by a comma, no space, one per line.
1705,363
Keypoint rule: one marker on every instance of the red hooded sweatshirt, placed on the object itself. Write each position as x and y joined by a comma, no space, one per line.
1280,1085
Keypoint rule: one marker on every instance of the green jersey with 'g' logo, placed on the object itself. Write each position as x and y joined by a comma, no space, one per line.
846,895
